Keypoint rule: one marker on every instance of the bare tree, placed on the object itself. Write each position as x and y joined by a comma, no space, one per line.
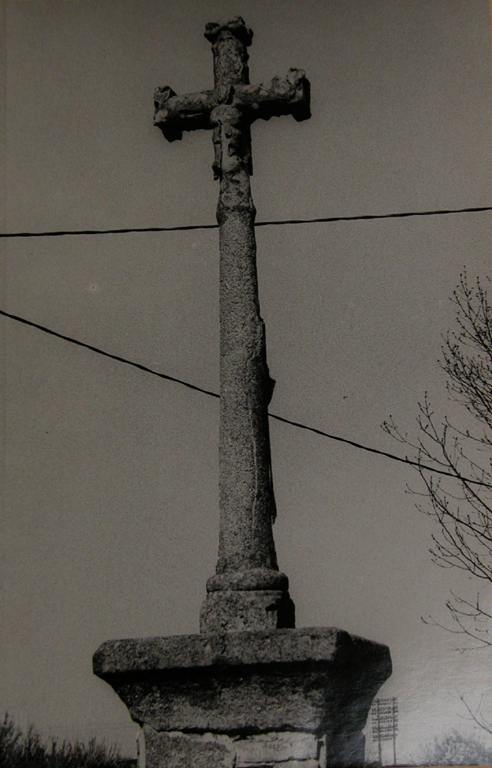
454,458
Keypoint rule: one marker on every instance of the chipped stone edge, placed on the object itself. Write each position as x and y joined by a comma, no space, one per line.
312,644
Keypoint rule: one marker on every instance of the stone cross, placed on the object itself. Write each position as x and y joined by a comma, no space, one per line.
248,591
241,692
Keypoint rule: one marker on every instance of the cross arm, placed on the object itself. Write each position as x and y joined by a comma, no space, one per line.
175,114
289,95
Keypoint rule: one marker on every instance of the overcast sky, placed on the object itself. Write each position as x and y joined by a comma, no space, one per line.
111,474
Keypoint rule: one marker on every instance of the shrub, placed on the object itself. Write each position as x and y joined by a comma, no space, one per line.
457,749
28,750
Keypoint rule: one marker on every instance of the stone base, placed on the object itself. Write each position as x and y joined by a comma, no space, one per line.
286,749
264,699
240,611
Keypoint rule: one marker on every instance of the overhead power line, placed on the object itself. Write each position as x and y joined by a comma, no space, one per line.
107,354
299,425
279,223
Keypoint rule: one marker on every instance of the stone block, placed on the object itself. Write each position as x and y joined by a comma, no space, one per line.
239,611
180,750
276,748
245,684
304,764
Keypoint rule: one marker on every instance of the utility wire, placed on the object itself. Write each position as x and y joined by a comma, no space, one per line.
107,354
280,223
297,424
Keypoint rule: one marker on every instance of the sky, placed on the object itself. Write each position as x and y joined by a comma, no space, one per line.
110,488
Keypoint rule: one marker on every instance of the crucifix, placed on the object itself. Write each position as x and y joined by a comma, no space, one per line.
241,692
248,591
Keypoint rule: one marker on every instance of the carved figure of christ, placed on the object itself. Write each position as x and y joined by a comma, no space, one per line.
247,567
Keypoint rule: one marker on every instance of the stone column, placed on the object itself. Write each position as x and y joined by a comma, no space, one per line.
247,592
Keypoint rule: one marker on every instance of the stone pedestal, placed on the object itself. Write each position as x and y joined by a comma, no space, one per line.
286,697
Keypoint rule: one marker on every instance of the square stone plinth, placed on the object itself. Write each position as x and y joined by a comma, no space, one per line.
242,698
246,611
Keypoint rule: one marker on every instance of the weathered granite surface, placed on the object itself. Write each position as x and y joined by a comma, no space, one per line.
316,680
286,749
237,611
273,695
309,644
247,559
180,750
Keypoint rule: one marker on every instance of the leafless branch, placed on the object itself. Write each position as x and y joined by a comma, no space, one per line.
461,508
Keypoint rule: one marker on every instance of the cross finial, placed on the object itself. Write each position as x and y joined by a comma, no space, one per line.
236,27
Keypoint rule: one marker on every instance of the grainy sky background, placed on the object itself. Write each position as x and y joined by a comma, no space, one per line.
111,498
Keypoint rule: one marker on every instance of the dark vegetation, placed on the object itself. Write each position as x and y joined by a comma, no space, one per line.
456,749
29,750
